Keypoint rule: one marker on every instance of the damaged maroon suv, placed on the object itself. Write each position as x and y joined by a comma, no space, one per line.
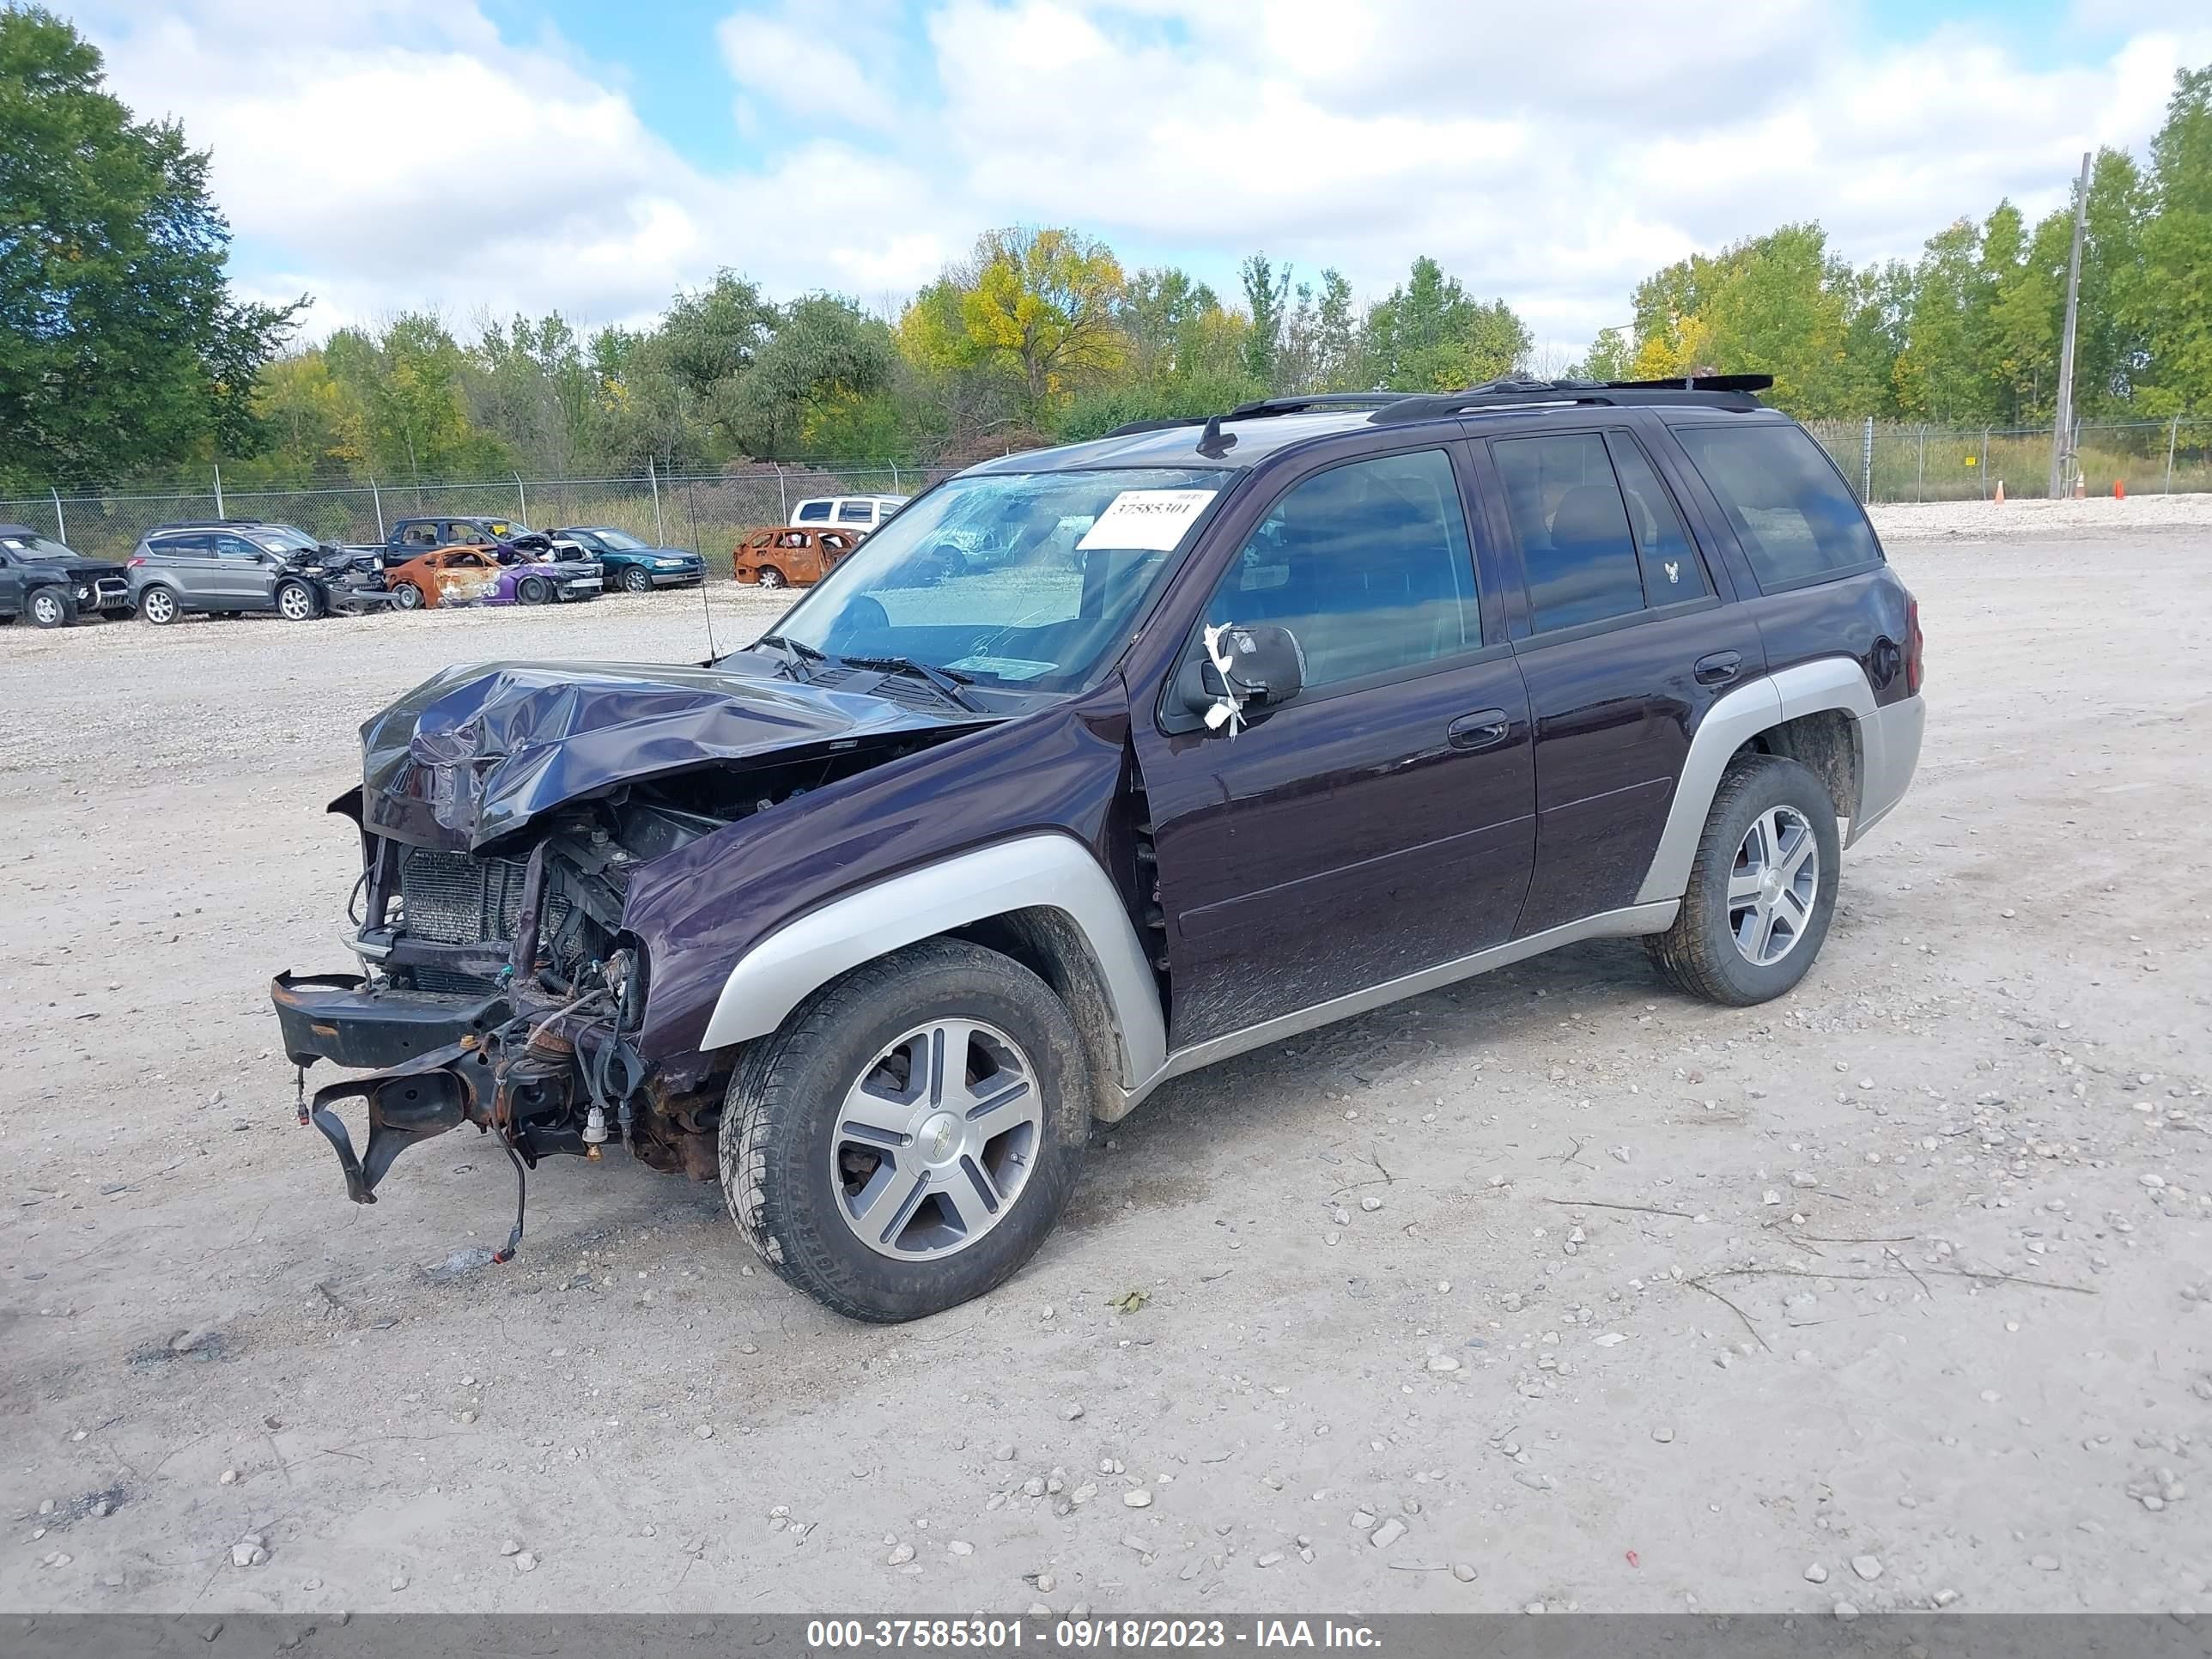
1098,764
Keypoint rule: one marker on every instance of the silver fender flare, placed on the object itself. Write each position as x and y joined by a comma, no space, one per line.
1047,872
1807,689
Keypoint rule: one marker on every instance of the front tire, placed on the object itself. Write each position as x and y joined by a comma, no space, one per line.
1762,887
635,580
533,590
409,596
910,1135
53,607
295,602
770,576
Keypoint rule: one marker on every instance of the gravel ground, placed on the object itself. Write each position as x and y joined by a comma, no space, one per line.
1551,1290
2093,518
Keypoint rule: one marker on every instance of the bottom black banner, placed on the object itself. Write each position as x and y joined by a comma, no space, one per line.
1440,1636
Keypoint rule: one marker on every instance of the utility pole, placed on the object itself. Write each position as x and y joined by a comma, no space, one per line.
2061,435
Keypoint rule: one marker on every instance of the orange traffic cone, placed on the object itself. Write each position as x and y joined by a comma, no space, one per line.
1999,497
2119,490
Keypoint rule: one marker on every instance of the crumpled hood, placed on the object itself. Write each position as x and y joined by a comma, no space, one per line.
475,752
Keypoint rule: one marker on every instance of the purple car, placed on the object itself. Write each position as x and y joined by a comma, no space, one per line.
500,573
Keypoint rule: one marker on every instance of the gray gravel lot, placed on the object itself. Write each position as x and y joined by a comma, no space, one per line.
1549,1289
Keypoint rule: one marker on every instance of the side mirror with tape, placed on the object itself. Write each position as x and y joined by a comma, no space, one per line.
1255,668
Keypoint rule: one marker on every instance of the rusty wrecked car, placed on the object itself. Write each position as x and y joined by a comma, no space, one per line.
1248,725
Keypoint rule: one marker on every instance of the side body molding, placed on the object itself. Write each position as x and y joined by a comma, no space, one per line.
1049,872
1807,689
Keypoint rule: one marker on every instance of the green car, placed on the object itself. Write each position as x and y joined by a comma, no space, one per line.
632,565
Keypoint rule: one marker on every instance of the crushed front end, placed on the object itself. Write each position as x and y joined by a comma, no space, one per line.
503,814
497,993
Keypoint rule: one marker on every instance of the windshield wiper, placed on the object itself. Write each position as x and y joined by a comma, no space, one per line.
793,653
946,680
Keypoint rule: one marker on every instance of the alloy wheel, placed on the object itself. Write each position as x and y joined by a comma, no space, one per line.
1772,885
936,1140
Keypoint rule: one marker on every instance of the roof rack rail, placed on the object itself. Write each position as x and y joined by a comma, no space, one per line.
1131,429
1299,403
1733,392
1288,404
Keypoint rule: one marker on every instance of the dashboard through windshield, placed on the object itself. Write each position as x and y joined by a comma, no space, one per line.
1018,581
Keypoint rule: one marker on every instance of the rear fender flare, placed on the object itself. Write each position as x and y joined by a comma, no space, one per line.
1807,689
1043,871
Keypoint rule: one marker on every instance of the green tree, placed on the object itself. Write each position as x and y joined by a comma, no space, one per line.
1321,339
710,335
1042,306
1940,373
121,346
1428,336
407,383
528,383
2173,304
1266,294
1777,303
314,428
2111,349
822,370
1165,315
1609,357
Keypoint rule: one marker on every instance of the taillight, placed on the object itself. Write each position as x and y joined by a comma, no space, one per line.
134,565
1915,650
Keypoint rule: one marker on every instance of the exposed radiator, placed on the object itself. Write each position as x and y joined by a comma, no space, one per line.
454,899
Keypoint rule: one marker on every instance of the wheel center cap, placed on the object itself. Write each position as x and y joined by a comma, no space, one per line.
1770,885
940,1137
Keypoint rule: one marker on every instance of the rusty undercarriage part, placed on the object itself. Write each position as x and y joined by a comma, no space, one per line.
675,1133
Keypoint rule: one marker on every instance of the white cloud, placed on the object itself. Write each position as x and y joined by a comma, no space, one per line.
404,152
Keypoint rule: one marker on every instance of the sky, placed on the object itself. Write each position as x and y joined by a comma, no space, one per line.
484,157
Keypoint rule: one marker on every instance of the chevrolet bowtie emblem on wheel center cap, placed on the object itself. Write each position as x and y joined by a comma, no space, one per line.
938,1136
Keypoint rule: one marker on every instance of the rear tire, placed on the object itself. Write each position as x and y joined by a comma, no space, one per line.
53,607
798,1179
158,606
1762,887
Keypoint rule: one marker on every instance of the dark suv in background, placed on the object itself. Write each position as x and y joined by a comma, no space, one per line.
52,584
1261,722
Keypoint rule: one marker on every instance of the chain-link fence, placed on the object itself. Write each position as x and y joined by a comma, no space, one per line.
1888,461
710,512
1900,461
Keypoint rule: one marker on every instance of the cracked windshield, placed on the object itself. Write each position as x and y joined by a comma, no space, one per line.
1019,582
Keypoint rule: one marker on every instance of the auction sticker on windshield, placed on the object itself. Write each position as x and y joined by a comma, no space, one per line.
1148,521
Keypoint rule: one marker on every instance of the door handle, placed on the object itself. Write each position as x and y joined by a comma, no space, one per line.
1484,729
1719,668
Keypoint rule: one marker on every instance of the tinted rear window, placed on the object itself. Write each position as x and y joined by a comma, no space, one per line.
1788,506
1573,529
